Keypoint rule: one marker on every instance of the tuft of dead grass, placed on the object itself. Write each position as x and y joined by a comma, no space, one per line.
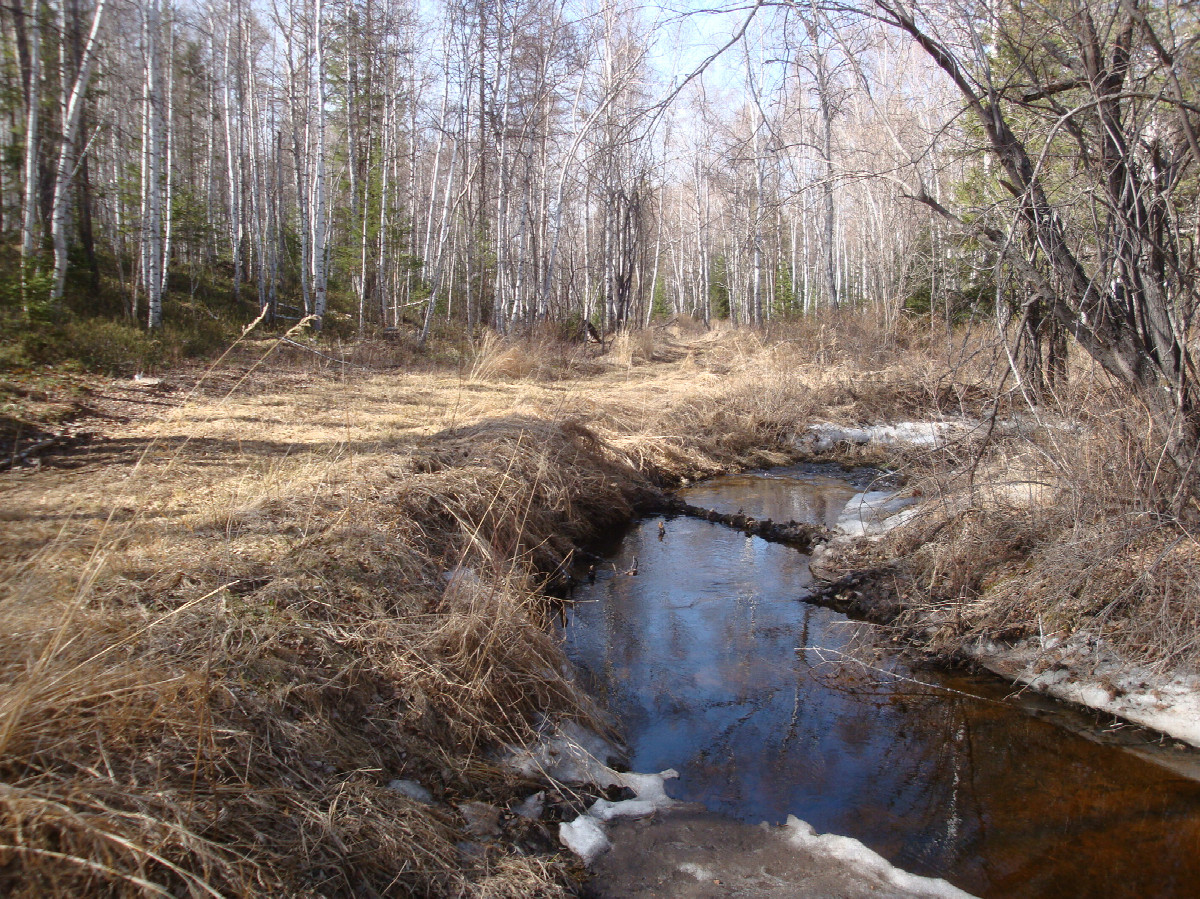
632,347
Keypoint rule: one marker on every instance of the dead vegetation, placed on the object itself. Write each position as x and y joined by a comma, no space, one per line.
229,627
1063,521
225,637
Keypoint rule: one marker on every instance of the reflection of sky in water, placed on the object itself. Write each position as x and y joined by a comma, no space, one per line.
776,497
698,655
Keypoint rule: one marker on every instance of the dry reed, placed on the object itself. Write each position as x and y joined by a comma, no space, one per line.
223,642
1065,521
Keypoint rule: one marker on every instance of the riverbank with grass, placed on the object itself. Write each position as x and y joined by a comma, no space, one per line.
270,625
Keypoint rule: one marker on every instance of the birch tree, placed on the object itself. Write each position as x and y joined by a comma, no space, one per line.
71,100
1101,247
155,164
27,22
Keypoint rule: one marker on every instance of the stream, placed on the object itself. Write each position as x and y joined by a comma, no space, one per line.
768,705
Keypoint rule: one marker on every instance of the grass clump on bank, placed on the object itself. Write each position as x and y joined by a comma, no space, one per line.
1062,525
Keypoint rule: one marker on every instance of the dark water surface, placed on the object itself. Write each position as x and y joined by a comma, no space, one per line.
770,706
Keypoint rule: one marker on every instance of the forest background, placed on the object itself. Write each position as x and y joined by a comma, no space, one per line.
384,164
173,169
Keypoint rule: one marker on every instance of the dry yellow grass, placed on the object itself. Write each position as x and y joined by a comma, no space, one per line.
222,642
224,631
1066,521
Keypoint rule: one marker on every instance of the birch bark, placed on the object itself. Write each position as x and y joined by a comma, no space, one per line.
71,109
319,194
33,92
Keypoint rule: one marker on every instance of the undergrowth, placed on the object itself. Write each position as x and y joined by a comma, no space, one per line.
1064,521
322,574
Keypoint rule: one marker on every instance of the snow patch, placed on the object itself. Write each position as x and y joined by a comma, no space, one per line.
569,753
580,835
413,790
698,871
1082,670
603,810
585,837
531,807
875,512
824,436
802,835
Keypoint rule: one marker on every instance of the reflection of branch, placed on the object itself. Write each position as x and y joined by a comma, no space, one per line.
843,657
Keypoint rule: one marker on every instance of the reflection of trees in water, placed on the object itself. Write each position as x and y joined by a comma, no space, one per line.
988,796
813,499
923,810
760,724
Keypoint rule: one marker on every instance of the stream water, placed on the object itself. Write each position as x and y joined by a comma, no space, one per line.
768,706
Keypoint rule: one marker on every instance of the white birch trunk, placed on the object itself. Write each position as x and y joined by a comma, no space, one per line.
233,154
71,109
168,143
153,270
297,111
436,283
386,150
319,195
30,167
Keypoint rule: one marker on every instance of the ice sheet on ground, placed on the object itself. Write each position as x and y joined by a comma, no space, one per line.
585,837
875,512
1083,671
824,436
802,835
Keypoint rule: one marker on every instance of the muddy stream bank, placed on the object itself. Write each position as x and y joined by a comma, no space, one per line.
770,706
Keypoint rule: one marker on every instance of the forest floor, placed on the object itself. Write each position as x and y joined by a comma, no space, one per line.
270,626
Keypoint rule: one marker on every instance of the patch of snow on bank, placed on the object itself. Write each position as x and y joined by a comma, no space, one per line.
413,790
802,835
585,837
568,753
824,436
603,810
1082,671
572,754
875,512
698,871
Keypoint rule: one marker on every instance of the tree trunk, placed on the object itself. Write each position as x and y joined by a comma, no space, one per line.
29,206
71,111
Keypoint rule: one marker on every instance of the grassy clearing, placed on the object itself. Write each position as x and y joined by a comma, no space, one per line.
248,608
